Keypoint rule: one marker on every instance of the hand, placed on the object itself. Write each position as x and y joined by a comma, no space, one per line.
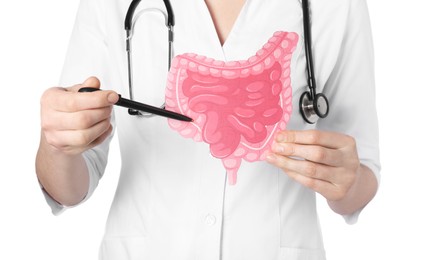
326,162
73,122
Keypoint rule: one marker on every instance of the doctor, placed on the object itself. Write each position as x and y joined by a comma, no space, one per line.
173,199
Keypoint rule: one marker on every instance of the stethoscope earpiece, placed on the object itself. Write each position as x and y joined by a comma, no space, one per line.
312,109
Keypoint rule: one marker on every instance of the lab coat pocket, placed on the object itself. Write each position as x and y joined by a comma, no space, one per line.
287,253
123,248
299,224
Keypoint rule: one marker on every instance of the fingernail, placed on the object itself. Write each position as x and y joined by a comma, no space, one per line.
280,148
271,157
112,98
281,138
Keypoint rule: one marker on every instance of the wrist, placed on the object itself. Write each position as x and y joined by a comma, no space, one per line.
359,195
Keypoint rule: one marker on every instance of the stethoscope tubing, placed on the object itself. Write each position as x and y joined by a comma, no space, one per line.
134,5
308,49
129,27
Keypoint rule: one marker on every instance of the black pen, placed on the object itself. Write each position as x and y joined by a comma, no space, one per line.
123,102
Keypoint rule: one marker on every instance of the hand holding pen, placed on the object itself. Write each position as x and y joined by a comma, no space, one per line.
73,122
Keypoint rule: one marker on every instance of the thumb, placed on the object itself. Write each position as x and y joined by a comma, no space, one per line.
92,82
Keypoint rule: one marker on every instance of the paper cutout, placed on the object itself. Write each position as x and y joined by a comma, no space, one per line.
237,106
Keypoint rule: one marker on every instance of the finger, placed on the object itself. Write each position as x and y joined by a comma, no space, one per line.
314,153
84,119
77,139
303,167
73,150
315,137
62,100
93,82
69,100
101,138
326,189
72,102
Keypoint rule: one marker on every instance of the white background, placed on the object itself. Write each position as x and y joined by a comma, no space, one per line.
33,42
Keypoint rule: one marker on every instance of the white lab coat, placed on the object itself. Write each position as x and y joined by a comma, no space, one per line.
173,200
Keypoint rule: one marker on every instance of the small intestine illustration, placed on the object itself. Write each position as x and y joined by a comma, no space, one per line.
236,106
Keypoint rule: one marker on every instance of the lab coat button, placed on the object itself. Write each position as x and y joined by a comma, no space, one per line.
210,220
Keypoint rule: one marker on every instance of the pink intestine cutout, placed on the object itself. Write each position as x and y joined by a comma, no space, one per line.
237,106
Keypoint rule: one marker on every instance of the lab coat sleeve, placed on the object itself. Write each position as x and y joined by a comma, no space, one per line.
350,89
96,161
87,56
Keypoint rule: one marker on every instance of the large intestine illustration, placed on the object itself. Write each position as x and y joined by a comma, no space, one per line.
236,106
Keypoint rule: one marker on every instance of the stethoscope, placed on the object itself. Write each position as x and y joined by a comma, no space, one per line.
312,105
130,22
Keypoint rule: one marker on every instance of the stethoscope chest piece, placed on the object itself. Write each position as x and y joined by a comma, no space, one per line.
313,108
